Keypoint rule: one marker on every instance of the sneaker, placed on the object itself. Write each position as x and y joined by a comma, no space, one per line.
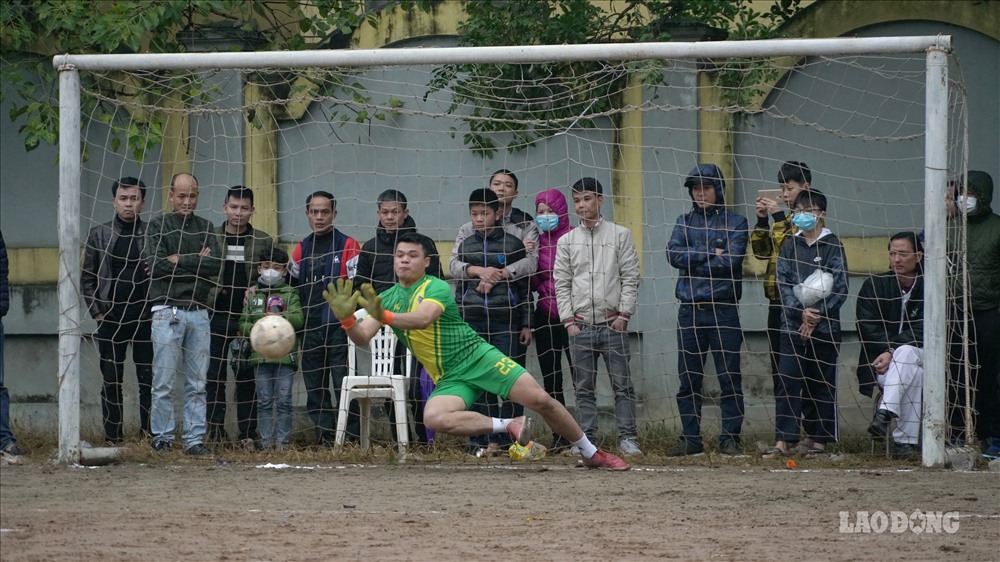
161,446
198,450
731,448
628,446
573,451
605,461
519,430
686,449
880,423
12,450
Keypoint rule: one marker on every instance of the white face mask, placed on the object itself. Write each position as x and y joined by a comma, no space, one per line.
966,202
271,277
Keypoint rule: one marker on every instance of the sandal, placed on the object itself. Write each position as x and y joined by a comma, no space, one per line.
814,452
774,453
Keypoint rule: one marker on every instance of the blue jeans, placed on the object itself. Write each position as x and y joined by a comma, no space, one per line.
592,342
6,435
700,328
187,340
274,390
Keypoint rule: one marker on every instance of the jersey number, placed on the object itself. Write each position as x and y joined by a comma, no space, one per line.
504,366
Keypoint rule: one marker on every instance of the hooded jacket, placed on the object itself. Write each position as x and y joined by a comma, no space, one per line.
983,245
515,222
883,324
706,276
541,281
375,264
796,262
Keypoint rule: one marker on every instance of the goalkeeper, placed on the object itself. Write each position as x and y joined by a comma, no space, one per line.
422,312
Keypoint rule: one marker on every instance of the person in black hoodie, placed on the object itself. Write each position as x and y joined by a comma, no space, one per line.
806,385
890,313
375,266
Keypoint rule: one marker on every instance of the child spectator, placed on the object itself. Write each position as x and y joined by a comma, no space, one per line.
498,311
806,386
273,295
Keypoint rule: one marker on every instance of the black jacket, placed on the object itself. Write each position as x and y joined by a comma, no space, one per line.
96,281
4,289
510,298
881,326
375,262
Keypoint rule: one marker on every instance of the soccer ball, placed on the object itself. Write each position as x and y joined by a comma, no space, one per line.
272,337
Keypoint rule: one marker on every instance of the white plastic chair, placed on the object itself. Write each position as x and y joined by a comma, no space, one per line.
380,384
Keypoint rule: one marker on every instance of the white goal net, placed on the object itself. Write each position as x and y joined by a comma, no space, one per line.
435,124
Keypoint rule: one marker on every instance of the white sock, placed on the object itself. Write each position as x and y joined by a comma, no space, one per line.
587,449
500,424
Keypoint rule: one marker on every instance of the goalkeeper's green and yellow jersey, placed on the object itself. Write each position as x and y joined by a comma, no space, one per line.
448,345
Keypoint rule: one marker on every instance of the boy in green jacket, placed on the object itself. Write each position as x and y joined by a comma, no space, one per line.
272,295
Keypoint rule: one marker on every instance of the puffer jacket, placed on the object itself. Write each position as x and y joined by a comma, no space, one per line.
796,262
541,280
707,276
96,281
516,222
256,309
187,283
508,299
596,274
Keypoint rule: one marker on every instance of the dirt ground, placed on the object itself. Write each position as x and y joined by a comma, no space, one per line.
178,508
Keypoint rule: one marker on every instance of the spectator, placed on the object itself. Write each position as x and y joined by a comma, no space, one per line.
8,443
984,308
272,295
184,260
115,285
707,246
323,256
765,242
498,312
241,243
551,339
375,267
890,313
596,277
806,387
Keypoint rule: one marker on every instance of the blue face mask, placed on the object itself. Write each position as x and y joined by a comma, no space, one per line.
966,203
805,221
547,223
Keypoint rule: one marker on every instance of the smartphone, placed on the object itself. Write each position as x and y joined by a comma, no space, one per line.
771,194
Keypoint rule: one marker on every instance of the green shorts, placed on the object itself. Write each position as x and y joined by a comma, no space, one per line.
488,370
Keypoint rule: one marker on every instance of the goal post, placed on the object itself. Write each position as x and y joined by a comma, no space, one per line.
935,166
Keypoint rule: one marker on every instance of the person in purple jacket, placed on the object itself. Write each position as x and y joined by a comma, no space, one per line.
551,339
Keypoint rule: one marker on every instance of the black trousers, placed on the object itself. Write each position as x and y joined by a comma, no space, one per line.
245,395
551,343
113,339
324,360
